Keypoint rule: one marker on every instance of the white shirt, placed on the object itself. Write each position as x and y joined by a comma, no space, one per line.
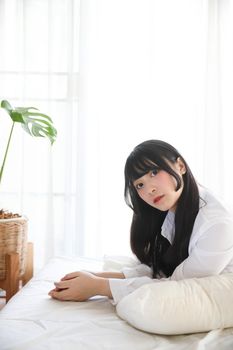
210,248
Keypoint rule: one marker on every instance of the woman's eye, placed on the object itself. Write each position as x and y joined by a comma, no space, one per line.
139,186
154,172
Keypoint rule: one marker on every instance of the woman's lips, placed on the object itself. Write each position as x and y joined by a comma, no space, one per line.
157,199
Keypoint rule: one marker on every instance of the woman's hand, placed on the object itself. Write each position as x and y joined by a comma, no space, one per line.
80,286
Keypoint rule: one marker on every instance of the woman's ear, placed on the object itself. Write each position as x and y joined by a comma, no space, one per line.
180,166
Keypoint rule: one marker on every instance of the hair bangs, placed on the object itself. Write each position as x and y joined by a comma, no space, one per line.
138,166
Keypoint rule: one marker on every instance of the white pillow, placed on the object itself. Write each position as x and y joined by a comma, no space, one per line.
180,307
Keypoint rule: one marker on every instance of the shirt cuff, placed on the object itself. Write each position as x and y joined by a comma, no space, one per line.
122,287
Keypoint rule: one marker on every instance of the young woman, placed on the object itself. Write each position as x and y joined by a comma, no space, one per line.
179,229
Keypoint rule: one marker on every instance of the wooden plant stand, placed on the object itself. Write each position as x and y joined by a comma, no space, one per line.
12,282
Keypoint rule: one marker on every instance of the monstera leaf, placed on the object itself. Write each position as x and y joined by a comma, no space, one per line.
32,121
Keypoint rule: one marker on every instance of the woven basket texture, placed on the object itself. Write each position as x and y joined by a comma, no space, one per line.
13,239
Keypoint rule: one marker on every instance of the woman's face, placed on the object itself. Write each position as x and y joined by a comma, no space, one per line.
158,188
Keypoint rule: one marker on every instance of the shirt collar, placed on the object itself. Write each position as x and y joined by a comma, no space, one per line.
168,227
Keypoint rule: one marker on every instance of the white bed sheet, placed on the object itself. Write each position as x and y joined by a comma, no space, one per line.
33,321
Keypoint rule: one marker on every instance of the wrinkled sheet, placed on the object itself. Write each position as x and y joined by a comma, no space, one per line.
33,321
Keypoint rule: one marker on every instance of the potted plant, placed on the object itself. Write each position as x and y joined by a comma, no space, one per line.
13,227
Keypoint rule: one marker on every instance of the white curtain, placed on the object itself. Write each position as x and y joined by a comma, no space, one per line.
39,66
152,69
111,73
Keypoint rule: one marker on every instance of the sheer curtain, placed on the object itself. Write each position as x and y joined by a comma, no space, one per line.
39,66
111,73
152,69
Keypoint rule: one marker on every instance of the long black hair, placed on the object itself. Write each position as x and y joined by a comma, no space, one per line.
147,243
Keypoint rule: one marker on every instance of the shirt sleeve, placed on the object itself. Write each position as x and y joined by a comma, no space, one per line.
139,270
210,255
135,277
122,287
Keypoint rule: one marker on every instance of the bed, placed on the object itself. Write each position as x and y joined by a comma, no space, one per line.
32,320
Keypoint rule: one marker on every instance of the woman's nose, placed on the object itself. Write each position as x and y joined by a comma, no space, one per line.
152,190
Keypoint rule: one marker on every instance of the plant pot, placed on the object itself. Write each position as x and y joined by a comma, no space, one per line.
13,239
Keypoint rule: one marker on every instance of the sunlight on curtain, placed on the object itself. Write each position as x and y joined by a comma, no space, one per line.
142,76
218,125
111,73
39,66
151,69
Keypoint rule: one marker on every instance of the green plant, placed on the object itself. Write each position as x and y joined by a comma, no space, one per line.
32,121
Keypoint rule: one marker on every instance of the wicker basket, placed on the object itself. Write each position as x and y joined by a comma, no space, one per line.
13,238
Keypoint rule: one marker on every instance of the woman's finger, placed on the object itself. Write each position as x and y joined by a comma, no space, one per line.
59,295
70,275
62,284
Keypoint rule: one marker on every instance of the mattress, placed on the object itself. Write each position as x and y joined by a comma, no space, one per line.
32,320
